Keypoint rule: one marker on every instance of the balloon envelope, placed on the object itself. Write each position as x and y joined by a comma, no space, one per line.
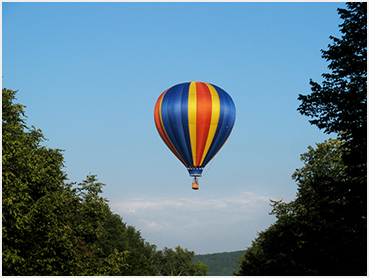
194,119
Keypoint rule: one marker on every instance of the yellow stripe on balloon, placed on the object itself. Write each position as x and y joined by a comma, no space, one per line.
192,114
215,112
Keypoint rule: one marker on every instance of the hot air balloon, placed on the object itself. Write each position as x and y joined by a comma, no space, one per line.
194,119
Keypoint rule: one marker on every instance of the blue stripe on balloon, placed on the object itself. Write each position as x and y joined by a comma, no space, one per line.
172,108
185,124
166,103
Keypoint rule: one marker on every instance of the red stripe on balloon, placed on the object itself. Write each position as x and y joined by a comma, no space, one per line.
203,119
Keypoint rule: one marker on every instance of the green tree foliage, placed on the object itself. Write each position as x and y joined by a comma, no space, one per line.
141,254
178,262
199,269
220,264
118,236
323,231
50,227
311,235
340,104
30,172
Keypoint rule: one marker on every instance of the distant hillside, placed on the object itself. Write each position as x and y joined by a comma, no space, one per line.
221,264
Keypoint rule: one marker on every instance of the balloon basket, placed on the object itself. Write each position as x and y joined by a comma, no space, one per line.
195,185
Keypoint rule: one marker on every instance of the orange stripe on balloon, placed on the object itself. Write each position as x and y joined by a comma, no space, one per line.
203,119
157,116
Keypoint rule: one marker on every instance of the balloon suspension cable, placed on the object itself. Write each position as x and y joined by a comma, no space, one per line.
195,184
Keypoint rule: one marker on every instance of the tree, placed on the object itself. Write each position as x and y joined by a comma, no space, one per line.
340,104
178,263
199,269
141,254
312,234
220,264
107,234
55,228
30,171
48,227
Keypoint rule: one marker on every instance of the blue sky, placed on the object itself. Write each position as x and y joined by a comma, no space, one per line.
90,74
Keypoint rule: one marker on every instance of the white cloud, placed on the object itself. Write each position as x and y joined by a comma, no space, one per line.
203,226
